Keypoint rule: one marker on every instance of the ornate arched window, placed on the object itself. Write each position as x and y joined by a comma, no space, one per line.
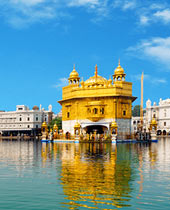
102,110
95,110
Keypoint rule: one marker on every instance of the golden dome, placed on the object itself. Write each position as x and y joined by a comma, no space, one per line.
35,108
74,74
95,80
119,70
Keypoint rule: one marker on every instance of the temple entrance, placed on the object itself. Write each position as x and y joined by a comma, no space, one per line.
67,135
159,132
99,129
164,132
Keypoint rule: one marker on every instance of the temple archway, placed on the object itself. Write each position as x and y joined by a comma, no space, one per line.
99,129
67,135
164,132
159,132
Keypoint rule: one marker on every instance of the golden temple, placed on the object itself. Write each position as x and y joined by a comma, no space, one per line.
96,103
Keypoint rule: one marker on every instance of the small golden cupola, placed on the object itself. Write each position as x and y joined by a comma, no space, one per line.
74,77
119,74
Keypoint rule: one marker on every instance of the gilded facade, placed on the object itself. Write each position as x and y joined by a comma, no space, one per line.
97,102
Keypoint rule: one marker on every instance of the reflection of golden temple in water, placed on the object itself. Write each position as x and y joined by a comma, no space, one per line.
99,176
90,175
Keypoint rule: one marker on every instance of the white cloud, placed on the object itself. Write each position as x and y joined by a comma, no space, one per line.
157,49
21,13
125,4
138,76
27,2
155,6
144,20
78,3
154,13
129,5
163,15
61,83
157,80
149,78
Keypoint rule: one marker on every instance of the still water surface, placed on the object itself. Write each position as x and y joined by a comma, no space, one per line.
36,175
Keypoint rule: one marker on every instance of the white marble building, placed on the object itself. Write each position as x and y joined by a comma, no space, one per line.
24,120
161,112
135,122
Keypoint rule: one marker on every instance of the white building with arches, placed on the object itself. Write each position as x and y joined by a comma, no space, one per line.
160,111
23,120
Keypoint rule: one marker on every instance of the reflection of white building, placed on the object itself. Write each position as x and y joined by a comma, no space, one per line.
24,120
15,152
160,112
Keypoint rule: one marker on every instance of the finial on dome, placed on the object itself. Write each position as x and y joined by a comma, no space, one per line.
119,62
74,66
109,78
96,70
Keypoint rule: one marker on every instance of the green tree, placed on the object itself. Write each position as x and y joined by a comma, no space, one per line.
136,111
58,121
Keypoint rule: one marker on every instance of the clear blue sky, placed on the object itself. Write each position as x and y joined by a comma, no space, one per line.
40,40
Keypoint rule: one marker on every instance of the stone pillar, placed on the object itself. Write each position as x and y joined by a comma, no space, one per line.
44,131
50,136
55,131
77,132
153,129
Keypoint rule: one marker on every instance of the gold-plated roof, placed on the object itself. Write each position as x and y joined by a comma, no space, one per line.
119,70
96,79
74,74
